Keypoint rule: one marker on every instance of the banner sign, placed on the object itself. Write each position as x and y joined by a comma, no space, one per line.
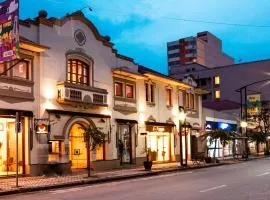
210,125
9,30
254,104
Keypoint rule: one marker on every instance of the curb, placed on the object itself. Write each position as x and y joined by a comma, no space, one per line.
108,179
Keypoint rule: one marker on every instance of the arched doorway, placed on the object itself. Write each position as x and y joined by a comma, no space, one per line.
78,152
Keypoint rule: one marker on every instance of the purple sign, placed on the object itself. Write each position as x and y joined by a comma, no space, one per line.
9,30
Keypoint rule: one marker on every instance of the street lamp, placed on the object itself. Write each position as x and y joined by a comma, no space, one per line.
243,124
244,115
182,120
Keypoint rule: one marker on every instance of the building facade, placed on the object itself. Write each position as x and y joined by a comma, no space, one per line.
204,49
223,81
75,78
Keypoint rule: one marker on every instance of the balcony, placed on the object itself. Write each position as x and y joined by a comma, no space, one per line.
124,105
74,94
15,90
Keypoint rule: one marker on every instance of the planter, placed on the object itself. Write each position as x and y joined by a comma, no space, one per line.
208,159
147,165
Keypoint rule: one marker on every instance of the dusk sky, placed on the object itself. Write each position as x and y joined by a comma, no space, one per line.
141,28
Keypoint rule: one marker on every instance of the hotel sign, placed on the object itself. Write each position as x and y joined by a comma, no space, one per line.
9,30
42,126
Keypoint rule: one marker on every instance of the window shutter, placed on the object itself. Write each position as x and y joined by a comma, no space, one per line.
184,98
197,102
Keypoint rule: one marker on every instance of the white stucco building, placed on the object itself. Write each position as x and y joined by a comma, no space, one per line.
71,76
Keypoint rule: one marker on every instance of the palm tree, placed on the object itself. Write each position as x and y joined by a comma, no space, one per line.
224,136
93,138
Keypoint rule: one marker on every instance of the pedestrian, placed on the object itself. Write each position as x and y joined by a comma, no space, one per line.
121,150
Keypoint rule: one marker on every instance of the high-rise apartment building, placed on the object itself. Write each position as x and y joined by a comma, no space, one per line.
204,49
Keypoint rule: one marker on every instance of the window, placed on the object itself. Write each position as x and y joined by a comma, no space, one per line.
2,68
173,47
20,70
187,100
118,89
129,91
174,55
204,97
78,72
217,80
100,152
217,94
54,150
150,92
169,97
192,101
124,89
203,82
146,92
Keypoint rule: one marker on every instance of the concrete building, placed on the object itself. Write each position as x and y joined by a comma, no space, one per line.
70,77
204,49
223,81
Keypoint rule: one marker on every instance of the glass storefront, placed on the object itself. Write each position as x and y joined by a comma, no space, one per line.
8,147
159,144
124,143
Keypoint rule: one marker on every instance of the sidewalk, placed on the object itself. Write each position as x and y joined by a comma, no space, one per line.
28,184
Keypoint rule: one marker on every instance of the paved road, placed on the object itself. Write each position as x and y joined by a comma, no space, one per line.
245,181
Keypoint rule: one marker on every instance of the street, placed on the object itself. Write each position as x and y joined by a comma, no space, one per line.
244,181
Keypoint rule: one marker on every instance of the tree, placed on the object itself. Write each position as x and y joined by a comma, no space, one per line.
261,123
257,137
93,138
222,135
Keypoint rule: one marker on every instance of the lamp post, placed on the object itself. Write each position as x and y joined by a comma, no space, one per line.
243,125
182,120
244,115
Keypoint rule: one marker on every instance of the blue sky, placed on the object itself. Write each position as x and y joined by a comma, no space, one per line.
141,28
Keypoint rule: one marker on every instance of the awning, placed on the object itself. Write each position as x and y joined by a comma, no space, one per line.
159,124
25,113
126,121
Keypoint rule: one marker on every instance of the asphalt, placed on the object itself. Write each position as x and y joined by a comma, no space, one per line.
244,181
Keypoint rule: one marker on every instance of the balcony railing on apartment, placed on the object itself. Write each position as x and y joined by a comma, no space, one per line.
69,93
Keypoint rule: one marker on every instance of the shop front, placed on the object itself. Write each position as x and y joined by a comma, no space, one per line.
66,142
126,140
160,141
220,124
8,142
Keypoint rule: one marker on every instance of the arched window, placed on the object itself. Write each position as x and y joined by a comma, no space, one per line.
78,72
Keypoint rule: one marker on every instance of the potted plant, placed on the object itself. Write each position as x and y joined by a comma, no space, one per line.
148,164
208,159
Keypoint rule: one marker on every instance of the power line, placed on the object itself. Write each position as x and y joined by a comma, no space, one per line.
218,23
96,8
